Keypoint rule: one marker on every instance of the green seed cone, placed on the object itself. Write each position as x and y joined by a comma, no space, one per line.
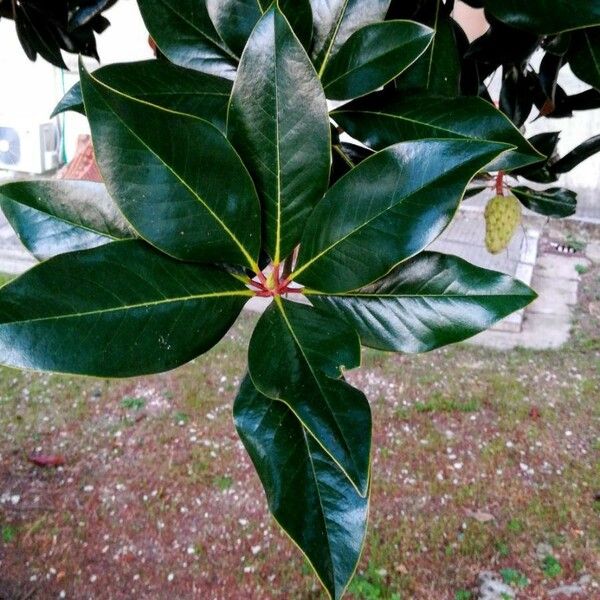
502,217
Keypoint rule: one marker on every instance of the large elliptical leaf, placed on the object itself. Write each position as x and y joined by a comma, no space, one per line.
235,19
308,495
53,217
387,209
382,119
187,193
279,124
540,17
297,356
162,84
584,55
119,310
184,33
438,70
429,301
336,20
373,56
555,202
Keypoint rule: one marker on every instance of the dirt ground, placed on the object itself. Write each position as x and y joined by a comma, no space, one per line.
482,461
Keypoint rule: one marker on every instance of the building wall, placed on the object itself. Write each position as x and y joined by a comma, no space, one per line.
30,91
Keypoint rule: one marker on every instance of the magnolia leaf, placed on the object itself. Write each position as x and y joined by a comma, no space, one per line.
438,70
552,202
429,301
373,56
382,119
235,19
119,310
308,495
578,155
53,217
584,56
161,84
304,369
336,20
540,17
279,124
184,33
387,209
194,201
345,156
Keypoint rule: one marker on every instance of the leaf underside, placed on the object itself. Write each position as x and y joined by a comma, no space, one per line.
54,217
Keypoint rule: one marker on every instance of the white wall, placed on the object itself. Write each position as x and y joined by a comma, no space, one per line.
31,90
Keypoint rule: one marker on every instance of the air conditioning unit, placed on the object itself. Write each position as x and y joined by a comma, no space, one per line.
29,147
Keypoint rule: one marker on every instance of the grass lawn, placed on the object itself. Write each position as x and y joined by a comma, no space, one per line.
479,457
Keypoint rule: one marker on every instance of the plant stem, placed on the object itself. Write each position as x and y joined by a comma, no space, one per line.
500,183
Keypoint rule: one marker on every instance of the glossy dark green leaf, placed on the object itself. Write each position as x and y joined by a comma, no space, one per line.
336,20
578,155
119,310
540,17
373,56
438,70
308,495
587,100
56,216
518,94
299,14
389,208
279,124
429,301
473,190
552,202
545,143
162,84
345,157
584,55
187,193
72,100
184,33
383,119
298,356
235,19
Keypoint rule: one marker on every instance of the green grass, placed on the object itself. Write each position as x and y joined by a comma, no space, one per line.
551,567
8,534
439,403
131,403
514,577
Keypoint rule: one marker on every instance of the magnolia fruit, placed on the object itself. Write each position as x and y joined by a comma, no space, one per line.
502,217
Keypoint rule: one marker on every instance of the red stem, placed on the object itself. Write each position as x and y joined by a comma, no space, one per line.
500,183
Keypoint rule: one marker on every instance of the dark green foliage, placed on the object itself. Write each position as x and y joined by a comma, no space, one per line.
226,176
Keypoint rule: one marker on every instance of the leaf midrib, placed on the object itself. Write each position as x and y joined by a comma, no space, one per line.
323,395
378,215
62,219
414,296
331,41
127,307
215,43
384,55
200,200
